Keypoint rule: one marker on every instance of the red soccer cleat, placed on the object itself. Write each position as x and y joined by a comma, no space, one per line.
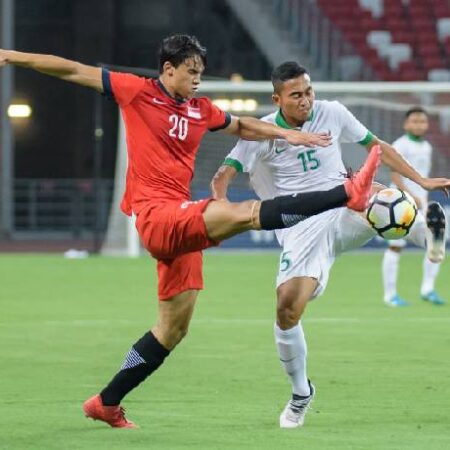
112,415
359,186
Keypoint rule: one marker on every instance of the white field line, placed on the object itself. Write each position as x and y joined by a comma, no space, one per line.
220,321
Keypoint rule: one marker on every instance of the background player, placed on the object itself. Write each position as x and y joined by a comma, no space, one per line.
417,151
165,124
310,247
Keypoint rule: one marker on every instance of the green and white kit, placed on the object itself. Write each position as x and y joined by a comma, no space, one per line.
277,168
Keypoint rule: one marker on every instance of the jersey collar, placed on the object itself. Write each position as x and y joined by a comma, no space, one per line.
414,138
281,121
179,100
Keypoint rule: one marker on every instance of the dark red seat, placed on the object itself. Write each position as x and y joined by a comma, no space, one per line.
406,37
441,10
406,66
430,63
393,11
413,75
428,51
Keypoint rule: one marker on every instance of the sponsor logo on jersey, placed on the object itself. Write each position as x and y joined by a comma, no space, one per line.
280,150
158,101
194,112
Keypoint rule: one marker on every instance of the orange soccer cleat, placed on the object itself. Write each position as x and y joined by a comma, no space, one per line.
359,185
112,415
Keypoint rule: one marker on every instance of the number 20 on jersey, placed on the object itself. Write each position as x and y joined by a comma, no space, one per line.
179,128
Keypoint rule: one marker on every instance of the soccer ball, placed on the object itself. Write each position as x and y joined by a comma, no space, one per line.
391,213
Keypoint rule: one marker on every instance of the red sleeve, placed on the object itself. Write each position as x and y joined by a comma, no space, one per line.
121,87
217,119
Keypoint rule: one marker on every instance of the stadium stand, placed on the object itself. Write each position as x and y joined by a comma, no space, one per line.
399,40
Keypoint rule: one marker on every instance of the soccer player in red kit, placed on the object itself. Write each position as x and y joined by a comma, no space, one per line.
165,125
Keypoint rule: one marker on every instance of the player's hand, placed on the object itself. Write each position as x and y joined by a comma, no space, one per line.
435,184
295,137
3,57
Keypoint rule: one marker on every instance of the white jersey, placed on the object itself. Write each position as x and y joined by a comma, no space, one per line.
418,153
278,168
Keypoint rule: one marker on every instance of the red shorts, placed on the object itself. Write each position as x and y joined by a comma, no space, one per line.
174,233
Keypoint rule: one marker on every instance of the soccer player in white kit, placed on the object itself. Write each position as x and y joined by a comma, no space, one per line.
417,151
309,248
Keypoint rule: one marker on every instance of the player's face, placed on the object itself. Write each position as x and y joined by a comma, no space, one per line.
185,79
295,98
417,124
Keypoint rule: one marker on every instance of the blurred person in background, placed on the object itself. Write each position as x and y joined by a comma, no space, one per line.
418,152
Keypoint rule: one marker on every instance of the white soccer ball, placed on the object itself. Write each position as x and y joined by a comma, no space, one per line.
391,213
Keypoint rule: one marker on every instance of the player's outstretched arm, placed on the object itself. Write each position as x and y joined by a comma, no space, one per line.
221,180
55,66
256,130
398,164
398,181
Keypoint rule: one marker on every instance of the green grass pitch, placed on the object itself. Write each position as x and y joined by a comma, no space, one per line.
382,375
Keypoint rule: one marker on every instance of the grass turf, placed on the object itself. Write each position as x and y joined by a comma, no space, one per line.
381,374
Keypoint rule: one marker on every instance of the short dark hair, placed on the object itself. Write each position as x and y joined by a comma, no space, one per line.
286,71
179,47
415,109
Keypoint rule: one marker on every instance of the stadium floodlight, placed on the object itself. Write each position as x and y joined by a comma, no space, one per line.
250,104
236,104
19,111
223,103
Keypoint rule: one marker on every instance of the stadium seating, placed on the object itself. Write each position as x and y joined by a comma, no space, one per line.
400,40
439,75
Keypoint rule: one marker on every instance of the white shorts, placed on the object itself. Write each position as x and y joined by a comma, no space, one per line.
310,247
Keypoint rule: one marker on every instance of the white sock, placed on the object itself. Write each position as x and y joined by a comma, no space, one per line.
292,350
430,272
390,270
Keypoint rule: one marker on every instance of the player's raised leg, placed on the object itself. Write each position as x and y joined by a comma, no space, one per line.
224,220
435,234
292,298
430,232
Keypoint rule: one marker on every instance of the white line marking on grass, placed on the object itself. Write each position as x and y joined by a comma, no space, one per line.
219,321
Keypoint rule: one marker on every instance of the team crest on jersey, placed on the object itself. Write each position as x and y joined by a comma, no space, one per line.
194,112
185,205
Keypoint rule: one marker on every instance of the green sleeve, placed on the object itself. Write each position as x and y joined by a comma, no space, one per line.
368,139
233,163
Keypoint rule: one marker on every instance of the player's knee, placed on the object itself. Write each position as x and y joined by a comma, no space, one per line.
290,307
171,335
287,317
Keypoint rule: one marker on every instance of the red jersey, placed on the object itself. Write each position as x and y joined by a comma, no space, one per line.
163,137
